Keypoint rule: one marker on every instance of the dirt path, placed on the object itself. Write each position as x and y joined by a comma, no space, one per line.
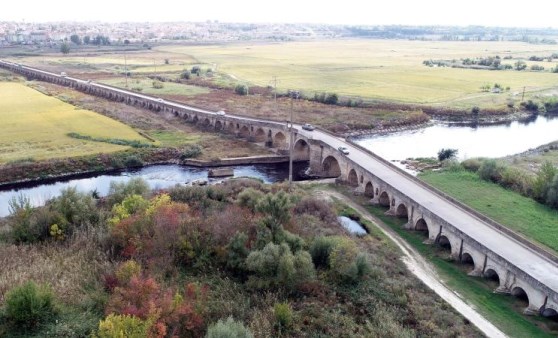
423,270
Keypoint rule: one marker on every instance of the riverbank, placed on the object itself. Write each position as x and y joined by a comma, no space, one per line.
39,172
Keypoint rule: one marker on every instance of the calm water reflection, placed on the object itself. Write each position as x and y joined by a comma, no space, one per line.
157,176
471,141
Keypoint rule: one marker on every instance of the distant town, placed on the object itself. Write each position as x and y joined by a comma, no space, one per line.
96,33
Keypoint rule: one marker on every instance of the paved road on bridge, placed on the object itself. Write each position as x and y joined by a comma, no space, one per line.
532,263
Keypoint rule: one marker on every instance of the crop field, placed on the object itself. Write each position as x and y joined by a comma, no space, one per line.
35,125
380,69
146,85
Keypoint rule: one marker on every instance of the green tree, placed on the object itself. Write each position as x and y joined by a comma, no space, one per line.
65,48
542,183
86,39
552,194
520,65
241,89
75,39
29,305
446,154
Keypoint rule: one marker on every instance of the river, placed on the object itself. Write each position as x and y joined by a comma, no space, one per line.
470,140
157,176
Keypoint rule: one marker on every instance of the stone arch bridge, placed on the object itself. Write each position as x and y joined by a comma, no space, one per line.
518,267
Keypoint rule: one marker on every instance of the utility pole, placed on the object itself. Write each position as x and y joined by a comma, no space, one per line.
523,95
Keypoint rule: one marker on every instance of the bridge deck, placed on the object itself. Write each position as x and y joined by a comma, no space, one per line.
532,263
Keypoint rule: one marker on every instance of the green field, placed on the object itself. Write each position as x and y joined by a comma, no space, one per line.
169,88
519,213
503,311
35,125
379,69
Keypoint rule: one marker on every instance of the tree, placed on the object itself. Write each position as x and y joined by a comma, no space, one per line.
445,154
520,65
75,39
475,111
186,75
86,39
65,48
331,99
241,89
552,194
543,181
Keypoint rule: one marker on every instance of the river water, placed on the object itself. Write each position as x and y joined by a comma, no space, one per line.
157,176
470,140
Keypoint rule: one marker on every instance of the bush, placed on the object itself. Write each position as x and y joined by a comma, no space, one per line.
186,75
78,209
490,170
316,207
472,164
119,191
237,252
228,329
531,106
283,316
347,265
241,89
123,326
29,305
133,161
446,154
157,85
321,249
552,194
275,265
249,198
191,152
542,182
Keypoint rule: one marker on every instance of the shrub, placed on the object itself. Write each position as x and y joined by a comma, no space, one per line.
531,106
276,207
249,198
552,194
446,154
191,152
237,252
123,326
129,206
127,270
275,265
157,85
347,265
283,316
316,207
472,164
321,249
29,305
517,180
241,89
133,161
228,329
78,209
542,182
490,170
119,191
186,75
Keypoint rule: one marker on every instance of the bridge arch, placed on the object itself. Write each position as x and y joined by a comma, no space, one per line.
550,313
444,242
383,200
492,275
206,122
422,226
301,152
218,125
352,179
521,294
259,135
369,190
330,167
280,140
244,132
231,127
195,119
402,211
467,261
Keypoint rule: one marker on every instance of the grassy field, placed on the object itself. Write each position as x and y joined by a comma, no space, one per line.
146,84
378,69
503,311
517,212
35,125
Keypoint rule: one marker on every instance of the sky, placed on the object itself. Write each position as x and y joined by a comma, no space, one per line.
538,14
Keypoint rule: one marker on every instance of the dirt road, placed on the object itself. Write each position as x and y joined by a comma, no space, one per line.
423,270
